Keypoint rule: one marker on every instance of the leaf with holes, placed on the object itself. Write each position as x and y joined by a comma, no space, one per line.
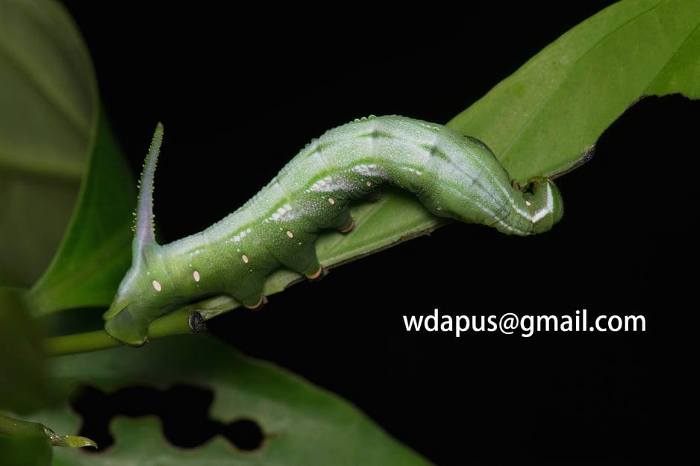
301,424
48,110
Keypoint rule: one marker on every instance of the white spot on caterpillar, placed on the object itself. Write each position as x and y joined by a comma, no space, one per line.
369,170
412,171
157,286
196,276
283,213
240,236
330,184
245,258
331,200
369,184
528,203
290,234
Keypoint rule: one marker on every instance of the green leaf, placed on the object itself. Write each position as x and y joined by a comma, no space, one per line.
48,108
23,382
95,253
543,118
25,443
302,424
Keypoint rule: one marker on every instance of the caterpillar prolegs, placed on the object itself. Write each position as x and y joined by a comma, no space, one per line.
452,175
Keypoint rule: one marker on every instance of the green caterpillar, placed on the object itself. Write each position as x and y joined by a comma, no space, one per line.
452,176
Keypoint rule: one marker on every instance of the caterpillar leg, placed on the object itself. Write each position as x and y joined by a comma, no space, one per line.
344,223
349,227
257,306
313,270
249,291
320,273
372,197
300,254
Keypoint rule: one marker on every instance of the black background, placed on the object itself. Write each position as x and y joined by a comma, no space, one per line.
240,91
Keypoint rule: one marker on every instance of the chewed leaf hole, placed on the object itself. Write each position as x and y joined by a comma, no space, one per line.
182,409
245,434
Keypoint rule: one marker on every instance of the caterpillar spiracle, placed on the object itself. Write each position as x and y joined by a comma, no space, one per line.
452,176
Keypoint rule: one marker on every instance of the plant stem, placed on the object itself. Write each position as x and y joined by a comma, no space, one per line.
172,324
175,323
80,343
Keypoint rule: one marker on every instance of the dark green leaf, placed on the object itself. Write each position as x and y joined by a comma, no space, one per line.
23,443
95,253
23,384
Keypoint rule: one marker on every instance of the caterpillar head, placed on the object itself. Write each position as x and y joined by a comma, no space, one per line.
546,204
141,296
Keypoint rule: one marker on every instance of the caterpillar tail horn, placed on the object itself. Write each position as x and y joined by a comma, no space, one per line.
144,235
121,322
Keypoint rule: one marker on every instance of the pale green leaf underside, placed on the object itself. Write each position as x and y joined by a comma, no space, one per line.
47,109
302,423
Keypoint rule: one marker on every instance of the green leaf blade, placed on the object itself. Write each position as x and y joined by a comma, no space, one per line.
23,443
542,118
95,252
